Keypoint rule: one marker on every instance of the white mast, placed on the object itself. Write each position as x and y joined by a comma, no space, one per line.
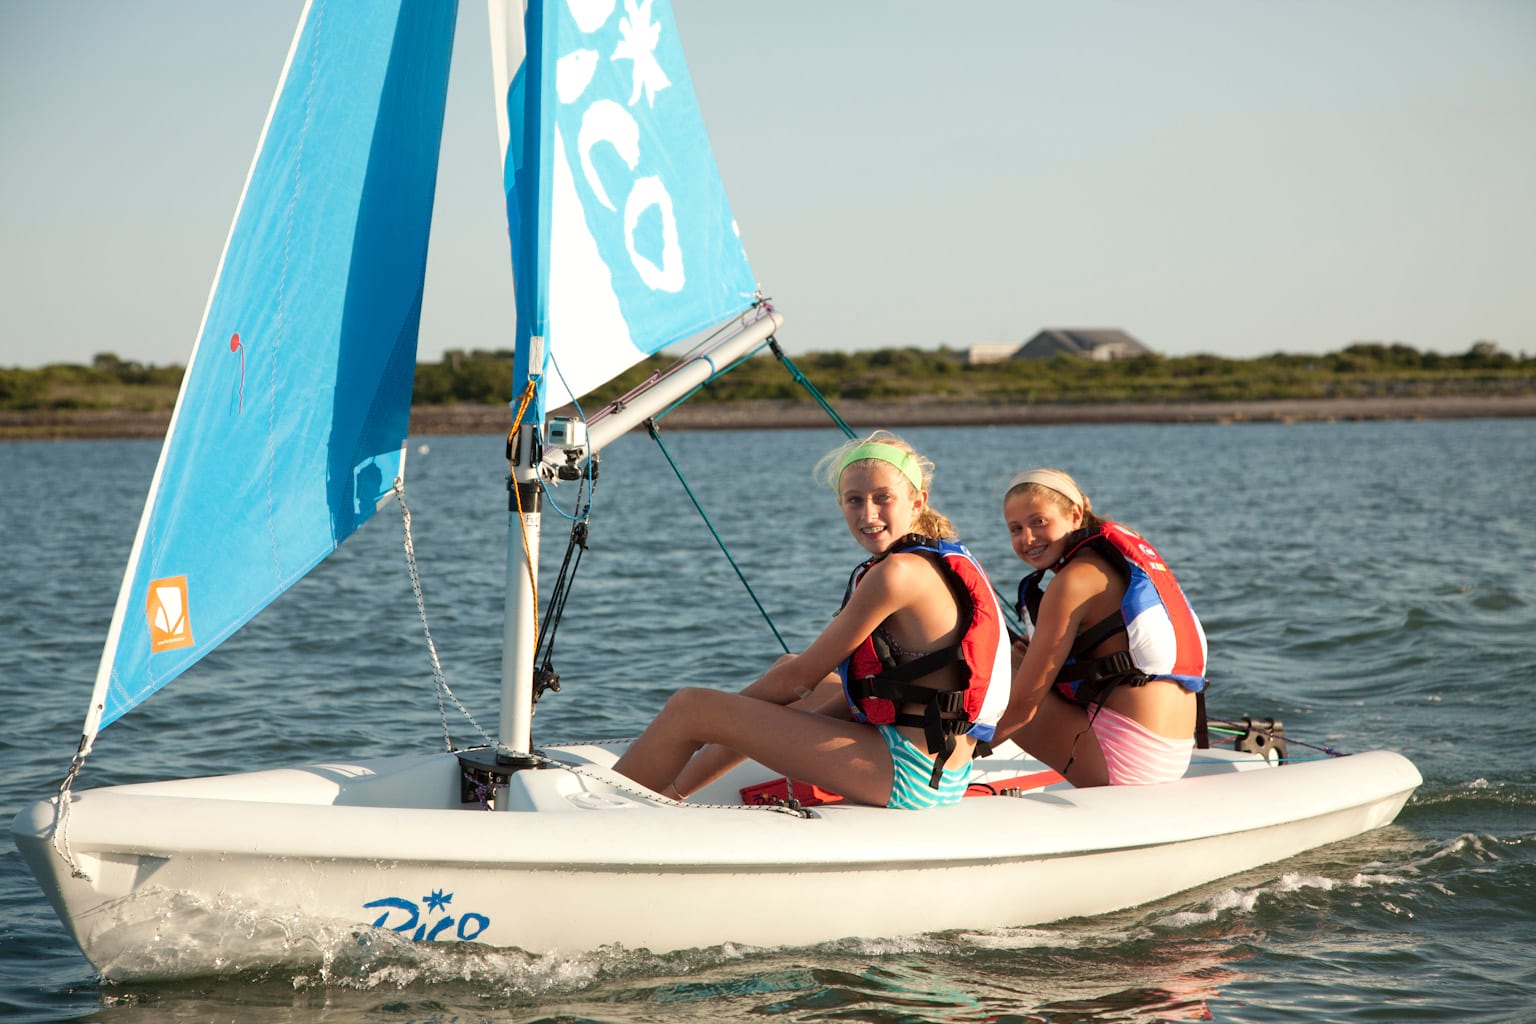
519,629
525,502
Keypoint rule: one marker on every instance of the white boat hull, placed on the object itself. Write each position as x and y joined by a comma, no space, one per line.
219,874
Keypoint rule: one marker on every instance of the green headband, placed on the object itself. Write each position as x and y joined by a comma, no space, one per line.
889,454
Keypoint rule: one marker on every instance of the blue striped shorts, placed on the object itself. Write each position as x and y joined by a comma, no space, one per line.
910,771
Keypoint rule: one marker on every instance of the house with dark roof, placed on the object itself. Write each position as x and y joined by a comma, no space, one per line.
1098,343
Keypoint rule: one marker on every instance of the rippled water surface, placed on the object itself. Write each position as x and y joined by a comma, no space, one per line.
1371,584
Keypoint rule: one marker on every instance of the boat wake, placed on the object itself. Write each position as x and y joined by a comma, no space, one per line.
1170,961
957,978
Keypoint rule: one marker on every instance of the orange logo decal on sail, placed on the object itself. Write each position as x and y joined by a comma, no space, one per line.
169,626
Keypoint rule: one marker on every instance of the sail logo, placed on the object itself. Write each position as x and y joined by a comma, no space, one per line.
607,125
167,609
417,918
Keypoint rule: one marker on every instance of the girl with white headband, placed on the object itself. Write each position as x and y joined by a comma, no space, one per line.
1107,682
918,640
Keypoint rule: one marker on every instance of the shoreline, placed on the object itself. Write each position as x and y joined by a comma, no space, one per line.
98,424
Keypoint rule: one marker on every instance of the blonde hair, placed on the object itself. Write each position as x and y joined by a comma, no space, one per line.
1056,487
930,521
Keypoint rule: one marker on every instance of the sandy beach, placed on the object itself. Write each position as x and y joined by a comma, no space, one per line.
769,415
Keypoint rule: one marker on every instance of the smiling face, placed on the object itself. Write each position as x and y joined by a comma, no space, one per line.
1038,521
878,503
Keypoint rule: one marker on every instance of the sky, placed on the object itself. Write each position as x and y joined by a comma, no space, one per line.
1235,177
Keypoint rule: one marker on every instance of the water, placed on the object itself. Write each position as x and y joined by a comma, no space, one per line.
1371,584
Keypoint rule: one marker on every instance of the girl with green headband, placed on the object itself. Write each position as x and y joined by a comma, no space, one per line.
904,597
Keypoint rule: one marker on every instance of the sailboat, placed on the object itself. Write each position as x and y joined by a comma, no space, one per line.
289,433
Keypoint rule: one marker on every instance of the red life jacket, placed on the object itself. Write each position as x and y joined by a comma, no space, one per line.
1165,638
876,686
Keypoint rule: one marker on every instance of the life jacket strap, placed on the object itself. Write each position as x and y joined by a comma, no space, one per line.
1202,725
903,674
946,726
938,732
895,685
1089,682
940,735
1089,639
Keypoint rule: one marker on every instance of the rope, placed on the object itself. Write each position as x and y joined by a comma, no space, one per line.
517,420
60,838
842,424
570,517
586,471
650,425
439,681
714,374
1235,729
615,781
558,596
1290,759
805,382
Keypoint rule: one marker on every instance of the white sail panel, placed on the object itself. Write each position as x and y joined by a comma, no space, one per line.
622,236
580,309
292,417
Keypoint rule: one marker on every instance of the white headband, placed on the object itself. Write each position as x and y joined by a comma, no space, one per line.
1056,481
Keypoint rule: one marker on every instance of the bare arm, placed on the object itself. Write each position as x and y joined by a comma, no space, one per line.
889,587
1061,613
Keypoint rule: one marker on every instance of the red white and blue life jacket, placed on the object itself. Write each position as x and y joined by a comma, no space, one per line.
1165,637
877,687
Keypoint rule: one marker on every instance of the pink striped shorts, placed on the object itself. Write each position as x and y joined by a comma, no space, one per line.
1134,755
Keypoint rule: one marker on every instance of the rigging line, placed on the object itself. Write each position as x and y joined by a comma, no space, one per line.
439,680
586,469
560,593
703,350
66,799
1326,756
715,374
575,518
1012,612
567,516
842,424
650,425
1236,729
517,496
805,382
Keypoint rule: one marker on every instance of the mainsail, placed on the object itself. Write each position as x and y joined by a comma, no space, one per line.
292,417
290,427
622,237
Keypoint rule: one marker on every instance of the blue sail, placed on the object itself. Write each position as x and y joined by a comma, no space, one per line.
290,427
623,241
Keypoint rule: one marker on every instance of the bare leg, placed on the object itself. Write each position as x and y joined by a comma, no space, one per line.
844,756
1059,735
714,760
